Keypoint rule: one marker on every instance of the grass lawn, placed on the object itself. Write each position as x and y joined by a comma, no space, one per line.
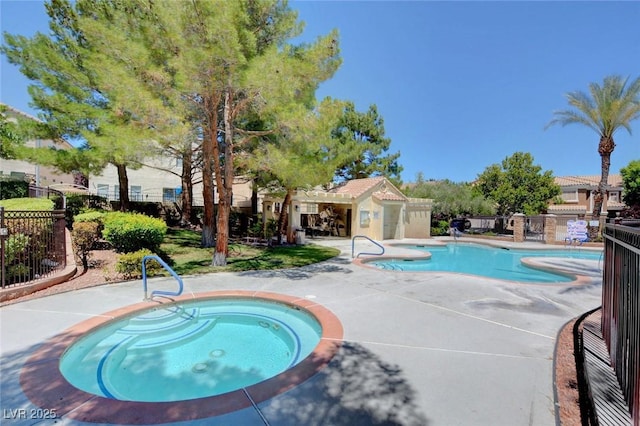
32,204
182,248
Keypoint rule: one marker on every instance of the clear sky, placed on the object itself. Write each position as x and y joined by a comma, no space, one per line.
460,85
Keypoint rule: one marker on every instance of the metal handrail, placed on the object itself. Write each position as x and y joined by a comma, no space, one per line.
353,241
168,268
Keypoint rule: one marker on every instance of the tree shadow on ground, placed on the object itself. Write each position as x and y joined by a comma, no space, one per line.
304,272
15,404
356,388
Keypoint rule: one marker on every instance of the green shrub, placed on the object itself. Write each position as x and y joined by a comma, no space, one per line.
13,189
90,216
15,246
84,236
75,205
130,232
16,252
441,227
130,264
18,273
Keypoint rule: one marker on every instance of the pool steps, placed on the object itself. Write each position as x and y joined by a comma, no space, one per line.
167,330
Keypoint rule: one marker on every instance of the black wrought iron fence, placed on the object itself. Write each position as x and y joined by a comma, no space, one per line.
621,309
32,245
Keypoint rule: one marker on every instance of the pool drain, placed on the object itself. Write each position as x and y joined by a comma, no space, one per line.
200,367
217,353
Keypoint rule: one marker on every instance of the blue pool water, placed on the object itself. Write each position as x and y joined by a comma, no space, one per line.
485,261
191,350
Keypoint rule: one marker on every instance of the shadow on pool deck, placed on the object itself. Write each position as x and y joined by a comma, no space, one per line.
337,264
12,396
358,388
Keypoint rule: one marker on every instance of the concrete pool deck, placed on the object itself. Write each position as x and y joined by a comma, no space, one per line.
419,348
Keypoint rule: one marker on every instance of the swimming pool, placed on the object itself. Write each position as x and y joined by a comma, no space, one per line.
191,350
486,261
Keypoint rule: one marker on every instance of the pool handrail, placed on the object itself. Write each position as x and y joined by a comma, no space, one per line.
353,241
168,268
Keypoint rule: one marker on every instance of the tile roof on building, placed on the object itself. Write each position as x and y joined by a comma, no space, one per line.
615,180
567,208
356,187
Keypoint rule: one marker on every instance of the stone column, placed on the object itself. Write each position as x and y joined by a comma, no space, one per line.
518,227
550,224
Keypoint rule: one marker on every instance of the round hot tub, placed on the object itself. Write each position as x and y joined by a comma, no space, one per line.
188,359
191,350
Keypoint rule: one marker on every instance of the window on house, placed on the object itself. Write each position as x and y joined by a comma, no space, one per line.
309,208
614,197
116,192
570,195
103,190
135,193
169,195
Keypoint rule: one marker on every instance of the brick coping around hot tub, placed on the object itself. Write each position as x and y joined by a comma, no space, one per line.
43,383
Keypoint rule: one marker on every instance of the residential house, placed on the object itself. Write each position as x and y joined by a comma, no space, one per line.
371,207
33,173
578,196
160,182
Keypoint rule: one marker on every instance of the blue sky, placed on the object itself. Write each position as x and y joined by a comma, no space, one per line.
460,85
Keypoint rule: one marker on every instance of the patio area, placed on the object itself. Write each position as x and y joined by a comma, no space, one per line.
419,348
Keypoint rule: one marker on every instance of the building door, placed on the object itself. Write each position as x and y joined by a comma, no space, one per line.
391,222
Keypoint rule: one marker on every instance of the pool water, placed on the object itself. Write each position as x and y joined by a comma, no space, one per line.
486,261
191,350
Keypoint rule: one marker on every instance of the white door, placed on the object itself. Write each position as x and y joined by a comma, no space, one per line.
391,222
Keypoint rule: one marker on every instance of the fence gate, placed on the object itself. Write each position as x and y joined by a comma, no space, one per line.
534,228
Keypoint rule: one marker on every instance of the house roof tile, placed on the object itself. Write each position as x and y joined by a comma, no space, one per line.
614,180
356,187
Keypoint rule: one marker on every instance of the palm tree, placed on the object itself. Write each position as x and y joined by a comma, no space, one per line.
604,109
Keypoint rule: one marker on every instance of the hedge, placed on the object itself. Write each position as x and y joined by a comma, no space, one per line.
97,217
13,189
130,232
30,204
130,264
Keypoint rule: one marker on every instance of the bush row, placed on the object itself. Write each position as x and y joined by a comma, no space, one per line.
129,232
133,235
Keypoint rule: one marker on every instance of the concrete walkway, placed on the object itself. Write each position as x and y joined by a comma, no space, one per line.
420,348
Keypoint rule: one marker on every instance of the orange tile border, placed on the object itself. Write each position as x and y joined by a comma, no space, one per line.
43,383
